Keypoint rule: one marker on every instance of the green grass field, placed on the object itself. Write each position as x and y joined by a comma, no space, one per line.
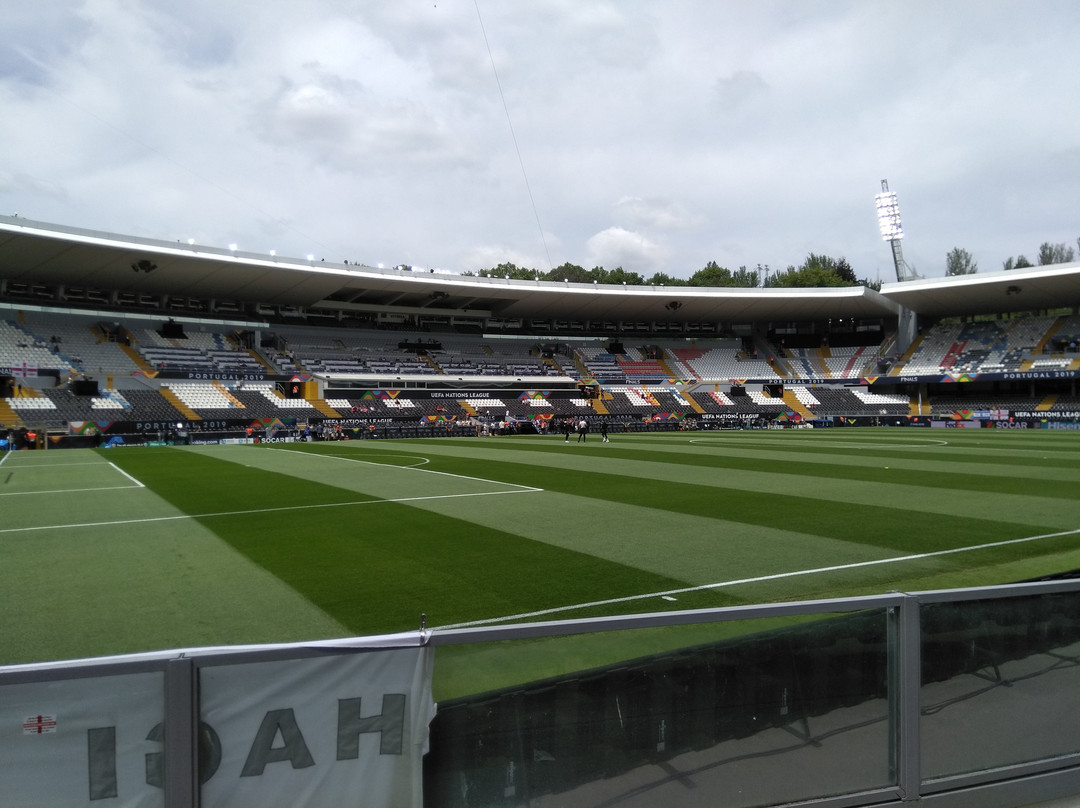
105,552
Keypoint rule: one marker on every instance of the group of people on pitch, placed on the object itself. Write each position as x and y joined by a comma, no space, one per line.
582,428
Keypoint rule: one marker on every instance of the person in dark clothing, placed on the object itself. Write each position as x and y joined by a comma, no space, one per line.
583,431
603,431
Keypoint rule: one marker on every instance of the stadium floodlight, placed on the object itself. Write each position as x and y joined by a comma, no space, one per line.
888,214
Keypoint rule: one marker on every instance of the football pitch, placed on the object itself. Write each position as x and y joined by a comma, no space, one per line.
115,551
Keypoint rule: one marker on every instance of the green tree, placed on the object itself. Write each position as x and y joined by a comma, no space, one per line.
505,270
1055,254
806,276
712,274
619,275
570,272
959,262
663,279
745,278
846,273
815,263
815,271
1020,262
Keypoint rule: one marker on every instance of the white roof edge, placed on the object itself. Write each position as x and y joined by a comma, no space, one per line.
981,278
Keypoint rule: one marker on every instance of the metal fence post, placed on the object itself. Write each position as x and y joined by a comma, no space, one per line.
909,683
181,735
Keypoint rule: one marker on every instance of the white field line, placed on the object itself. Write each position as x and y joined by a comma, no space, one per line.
828,443
178,517
127,475
135,483
73,490
667,595
29,465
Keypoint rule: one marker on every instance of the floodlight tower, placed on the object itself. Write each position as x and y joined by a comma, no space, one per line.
888,216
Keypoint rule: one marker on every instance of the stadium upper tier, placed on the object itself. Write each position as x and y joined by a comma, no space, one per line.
91,345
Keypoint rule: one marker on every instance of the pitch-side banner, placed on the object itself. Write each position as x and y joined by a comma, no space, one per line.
317,733
336,730
82,742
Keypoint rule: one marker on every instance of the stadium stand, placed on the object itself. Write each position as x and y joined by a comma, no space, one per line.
151,369
983,347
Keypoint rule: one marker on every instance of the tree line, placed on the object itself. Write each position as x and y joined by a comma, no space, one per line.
815,271
959,261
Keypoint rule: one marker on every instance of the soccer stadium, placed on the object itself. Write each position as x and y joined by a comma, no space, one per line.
622,545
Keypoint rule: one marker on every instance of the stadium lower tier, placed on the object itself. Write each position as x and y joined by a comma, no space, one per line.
156,408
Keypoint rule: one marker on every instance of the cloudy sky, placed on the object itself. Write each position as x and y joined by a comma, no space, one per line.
656,135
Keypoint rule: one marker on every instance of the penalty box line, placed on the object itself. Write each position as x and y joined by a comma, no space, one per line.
32,465
757,579
284,508
134,483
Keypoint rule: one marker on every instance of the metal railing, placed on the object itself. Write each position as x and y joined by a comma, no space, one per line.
952,698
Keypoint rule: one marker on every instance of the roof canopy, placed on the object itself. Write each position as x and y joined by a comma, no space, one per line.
35,252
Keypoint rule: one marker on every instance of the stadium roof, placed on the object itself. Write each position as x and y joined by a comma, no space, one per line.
40,253
1030,289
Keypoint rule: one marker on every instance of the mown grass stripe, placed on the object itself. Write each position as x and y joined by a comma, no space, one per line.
905,559
641,515
937,471
378,569
770,498
787,445
693,548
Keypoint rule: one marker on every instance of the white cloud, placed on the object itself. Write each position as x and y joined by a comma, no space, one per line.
487,256
739,88
17,183
744,134
659,214
616,247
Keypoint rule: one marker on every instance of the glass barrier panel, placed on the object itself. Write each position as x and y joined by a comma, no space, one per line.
1000,682
768,712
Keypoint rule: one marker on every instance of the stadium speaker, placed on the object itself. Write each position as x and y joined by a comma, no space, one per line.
85,387
173,330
